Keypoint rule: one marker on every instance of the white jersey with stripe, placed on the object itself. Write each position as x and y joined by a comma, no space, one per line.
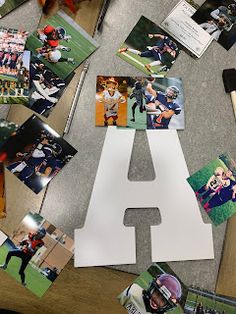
132,300
111,103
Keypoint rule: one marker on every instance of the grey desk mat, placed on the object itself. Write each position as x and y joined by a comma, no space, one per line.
210,130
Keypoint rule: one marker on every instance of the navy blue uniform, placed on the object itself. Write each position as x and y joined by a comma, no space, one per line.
158,121
158,51
56,165
222,197
40,153
47,81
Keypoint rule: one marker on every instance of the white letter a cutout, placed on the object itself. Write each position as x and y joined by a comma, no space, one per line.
182,235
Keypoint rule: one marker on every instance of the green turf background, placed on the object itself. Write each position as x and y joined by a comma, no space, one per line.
140,118
35,282
193,299
142,60
10,5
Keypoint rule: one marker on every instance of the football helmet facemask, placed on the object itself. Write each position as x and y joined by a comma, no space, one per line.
41,233
168,288
61,32
172,92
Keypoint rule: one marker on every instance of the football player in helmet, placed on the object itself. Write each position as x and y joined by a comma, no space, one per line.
51,36
138,92
164,46
53,56
159,114
31,160
28,247
162,295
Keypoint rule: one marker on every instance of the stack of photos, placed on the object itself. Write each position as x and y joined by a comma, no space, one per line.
215,188
140,102
36,153
149,48
204,302
36,253
156,290
2,192
218,18
58,47
7,6
7,129
14,66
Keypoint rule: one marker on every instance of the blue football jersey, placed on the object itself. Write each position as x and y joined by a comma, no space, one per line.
159,121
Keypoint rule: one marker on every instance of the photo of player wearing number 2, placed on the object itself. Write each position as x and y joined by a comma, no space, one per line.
215,188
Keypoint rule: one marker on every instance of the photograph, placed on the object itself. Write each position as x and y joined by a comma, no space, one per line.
111,101
218,18
215,188
178,23
61,44
140,102
16,89
149,48
36,153
7,129
165,107
46,88
2,192
201,301
12,45
7,6
36,253
157,290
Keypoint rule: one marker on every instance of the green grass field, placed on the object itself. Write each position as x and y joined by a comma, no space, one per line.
140,118
35,281
9,5
81,48
14,100
193,299
221,213
7,77
142,60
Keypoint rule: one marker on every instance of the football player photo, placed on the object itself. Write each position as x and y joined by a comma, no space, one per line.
157,290
61,44
218,18
16,90
35,154
111,101
12,45
2,192
149,49
200,301
7,6
140,102
215,188
36,253
165,104
46,88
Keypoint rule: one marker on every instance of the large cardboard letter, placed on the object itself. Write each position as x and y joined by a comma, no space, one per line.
182,235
